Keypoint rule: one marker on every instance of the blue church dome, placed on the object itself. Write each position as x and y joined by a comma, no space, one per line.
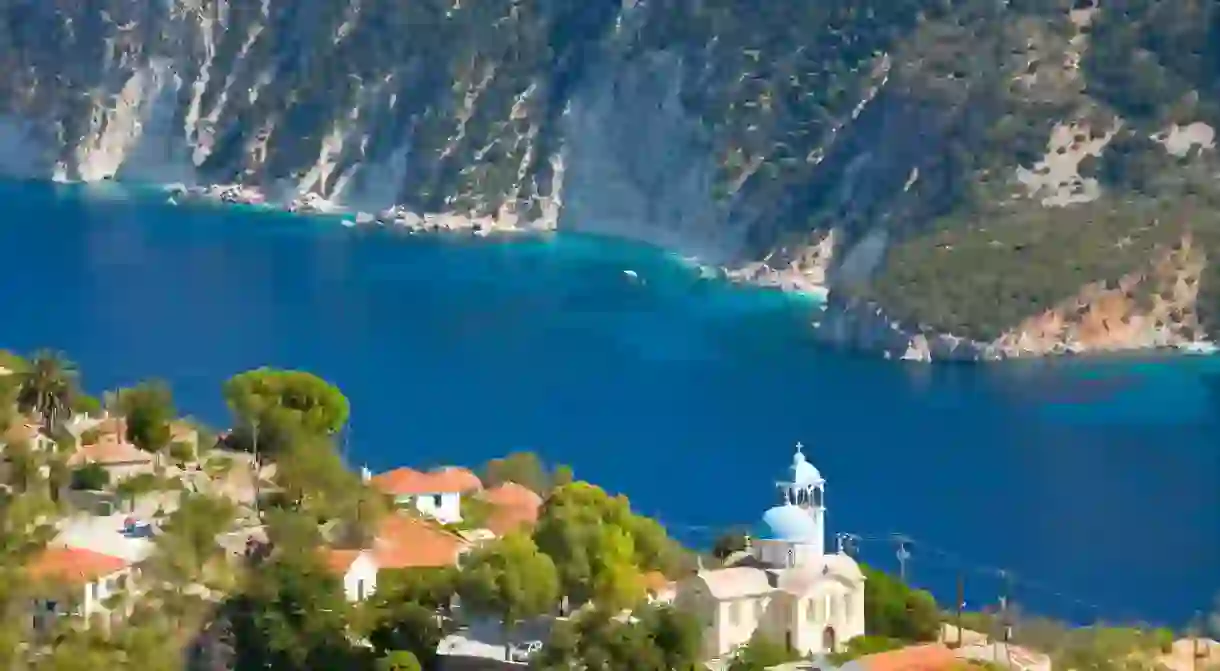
788,523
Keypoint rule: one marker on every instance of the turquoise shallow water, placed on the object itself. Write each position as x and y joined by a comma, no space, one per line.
1095,483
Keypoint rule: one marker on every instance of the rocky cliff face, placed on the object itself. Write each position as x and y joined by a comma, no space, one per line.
808,146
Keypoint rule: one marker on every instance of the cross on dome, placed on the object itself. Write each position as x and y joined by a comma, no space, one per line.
803,472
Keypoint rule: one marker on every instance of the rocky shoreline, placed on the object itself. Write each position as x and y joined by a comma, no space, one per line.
864,326
396,217
842,322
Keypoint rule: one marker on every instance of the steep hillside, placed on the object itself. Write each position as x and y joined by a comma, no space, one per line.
969,167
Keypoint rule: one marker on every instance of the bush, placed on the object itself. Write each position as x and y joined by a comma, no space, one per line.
90,436
90,477
181,452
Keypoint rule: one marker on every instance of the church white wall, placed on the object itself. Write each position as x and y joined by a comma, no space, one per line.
739,619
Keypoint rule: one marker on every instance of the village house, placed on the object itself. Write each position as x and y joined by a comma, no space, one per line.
513,507
21,433
28,433
402,542
785,586
110,449
79,582
357,569
437,494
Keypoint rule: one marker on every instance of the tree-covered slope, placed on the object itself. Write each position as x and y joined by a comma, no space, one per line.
978,162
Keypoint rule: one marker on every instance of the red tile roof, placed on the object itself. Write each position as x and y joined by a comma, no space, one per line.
656,582
408,481
73,565
929,657
339,561
109,449
20,432
513,507
404,541
513,494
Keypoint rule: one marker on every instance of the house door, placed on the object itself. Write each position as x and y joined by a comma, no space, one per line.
828,639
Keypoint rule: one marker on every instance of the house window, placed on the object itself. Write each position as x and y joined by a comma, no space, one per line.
93,590
360,590
436,500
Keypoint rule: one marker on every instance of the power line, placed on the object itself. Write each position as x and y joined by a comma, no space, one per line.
911,552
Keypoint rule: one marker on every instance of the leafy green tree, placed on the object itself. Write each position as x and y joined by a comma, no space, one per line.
187,544
280,402
87,405
293,616
429,587
90,477
405,626
659,638
761,653
600,547
149,409
895,610
48,387
727,544
510,579
314,479
527,470
398,660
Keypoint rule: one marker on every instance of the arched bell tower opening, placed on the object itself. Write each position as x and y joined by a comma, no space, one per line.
807,491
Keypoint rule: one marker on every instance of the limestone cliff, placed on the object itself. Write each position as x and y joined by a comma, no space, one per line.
963,167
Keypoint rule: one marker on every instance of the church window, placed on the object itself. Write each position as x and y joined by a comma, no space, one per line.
734,613
847,606
830,607
760,607
811,610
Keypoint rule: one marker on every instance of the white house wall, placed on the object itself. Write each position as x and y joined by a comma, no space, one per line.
445,508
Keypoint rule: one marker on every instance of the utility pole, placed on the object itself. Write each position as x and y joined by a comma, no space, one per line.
1006,632
1195,633
961,603
258,471
903,555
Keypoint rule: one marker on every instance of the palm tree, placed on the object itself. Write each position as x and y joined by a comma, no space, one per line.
48,387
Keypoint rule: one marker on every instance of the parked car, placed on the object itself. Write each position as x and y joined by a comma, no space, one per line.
521,652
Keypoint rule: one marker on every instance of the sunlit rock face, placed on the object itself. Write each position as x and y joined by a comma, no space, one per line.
717,128
805,143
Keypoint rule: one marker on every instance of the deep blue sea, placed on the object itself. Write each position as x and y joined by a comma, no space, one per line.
1095,484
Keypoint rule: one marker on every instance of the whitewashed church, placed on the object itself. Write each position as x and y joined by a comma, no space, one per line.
784,586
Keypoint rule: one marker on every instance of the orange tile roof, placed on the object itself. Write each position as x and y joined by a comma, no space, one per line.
73,565
457,476
21,432
407,481
109,450
504,520
339,561
513,507
404,541
514,495
656,582
929,657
